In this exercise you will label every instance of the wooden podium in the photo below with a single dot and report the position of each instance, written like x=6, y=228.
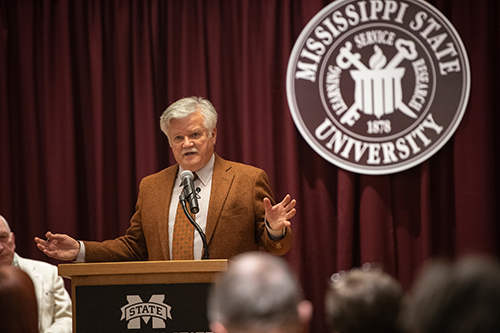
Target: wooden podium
x=142, y=296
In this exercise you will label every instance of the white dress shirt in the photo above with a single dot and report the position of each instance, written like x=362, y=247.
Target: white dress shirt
x=204, y=183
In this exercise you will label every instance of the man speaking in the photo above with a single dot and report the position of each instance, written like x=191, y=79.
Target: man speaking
x=237, y=212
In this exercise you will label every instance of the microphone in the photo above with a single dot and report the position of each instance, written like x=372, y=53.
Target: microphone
x=188, y=191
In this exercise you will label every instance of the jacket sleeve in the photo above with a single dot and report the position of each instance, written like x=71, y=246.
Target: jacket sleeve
x=261, y=190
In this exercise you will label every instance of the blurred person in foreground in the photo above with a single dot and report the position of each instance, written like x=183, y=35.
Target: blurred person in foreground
x=18, y=309
x=456, y=297
x=54, y=303
x=237, y=212
x=258, y=293
x=366, y=300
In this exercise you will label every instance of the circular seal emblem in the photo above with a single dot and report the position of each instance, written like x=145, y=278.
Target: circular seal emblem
x=377, y=87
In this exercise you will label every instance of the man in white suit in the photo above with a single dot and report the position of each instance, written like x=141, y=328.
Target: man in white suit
x=54, y=303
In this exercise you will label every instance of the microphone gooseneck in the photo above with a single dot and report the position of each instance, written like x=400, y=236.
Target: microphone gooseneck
x=189, y=194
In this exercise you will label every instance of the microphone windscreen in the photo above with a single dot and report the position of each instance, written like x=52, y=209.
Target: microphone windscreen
x=187, y=174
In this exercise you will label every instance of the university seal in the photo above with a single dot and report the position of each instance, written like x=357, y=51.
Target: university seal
x=377, y=87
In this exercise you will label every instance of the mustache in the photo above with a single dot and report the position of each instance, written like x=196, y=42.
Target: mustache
x=189, y=150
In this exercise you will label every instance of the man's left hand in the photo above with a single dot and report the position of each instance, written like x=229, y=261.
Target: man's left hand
x=278, y=216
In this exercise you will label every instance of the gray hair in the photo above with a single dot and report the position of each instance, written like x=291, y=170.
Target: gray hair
x=187, y=106
x=258, y=291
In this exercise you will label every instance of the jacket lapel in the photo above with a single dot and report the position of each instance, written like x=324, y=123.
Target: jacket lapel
x=169, y=181
x=37, y=282
x=222, y=178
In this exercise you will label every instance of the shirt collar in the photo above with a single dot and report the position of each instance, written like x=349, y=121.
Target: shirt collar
x=15, y=261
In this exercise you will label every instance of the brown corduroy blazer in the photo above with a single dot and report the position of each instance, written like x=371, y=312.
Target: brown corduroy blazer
x=235, y=221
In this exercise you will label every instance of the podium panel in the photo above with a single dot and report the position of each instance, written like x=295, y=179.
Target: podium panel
x=150, y=296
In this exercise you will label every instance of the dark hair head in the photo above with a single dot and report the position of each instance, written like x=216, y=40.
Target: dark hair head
x=18, y=305
x=363, y=301
x=459, y=297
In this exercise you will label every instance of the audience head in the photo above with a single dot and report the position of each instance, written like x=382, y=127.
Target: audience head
x=7, y=243
x=363, y=300
x=457, y=297
x=258, y=293
x=18, y=305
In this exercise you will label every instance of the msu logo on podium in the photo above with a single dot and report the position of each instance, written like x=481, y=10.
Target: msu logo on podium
x=377, y=87
x=136, y=310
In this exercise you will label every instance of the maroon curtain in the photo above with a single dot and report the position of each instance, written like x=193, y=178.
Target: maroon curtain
x=83, y=83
